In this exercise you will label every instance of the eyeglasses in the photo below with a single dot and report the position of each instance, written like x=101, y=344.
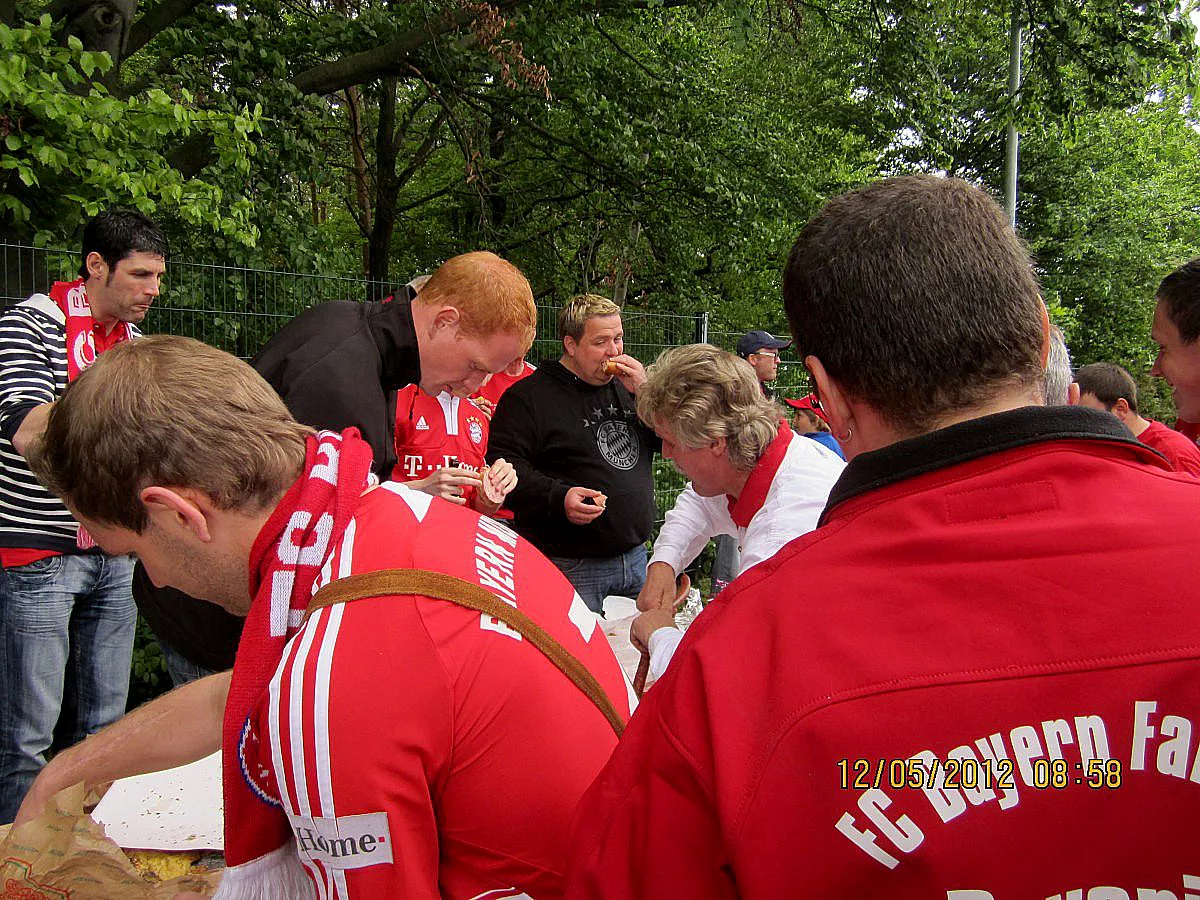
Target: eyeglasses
x=770, y=353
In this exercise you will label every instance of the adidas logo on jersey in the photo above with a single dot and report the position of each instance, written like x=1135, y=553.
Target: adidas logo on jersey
x=422, y=425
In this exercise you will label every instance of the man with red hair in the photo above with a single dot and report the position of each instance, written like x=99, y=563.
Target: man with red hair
x=341, y=363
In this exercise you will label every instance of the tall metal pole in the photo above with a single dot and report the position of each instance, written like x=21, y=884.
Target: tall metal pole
x=1014, y=86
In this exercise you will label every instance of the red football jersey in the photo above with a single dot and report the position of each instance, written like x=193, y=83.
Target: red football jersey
x=433, y=432
x=1179, y=449
x=423, y=750
x=501, y=382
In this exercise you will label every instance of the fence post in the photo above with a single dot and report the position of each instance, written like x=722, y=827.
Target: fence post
x=702, y=328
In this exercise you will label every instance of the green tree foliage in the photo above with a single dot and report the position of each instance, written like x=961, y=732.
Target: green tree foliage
x=664, y=150
x=1110, y=208
x=69, y=148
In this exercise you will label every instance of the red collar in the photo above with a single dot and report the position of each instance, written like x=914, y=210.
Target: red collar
x=754, y=494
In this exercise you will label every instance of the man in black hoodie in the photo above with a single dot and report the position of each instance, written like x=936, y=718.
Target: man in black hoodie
x=585, y=488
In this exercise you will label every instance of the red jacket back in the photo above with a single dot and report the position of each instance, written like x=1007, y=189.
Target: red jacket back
x=979, y=679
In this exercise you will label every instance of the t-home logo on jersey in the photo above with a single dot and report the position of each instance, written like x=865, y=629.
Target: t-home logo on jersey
x=345, y=842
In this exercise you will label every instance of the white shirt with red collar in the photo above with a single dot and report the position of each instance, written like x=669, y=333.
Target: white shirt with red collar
x=783, y=499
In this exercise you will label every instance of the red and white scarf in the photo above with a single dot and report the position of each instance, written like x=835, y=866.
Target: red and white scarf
x=71, y=298
x=285, y=561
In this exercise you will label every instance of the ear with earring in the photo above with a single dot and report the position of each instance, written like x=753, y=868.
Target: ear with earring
x=818, y=376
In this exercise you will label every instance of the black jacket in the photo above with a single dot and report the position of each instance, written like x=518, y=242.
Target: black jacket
x=202, y=632
x=561, y=432
x=335, y=365
x=341, y=363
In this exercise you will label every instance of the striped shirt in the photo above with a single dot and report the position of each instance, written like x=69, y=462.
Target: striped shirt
x=33, y=370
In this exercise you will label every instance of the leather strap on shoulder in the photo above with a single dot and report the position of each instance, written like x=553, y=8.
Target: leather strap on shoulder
x=440, y=586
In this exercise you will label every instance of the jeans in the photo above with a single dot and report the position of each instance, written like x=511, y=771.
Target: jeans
x=595, y=579
x=179, y=667
x=68, y=624
x=725, y=565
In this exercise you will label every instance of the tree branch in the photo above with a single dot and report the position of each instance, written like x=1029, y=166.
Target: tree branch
x=407, y=207
x=629, y=56
x=157, y=20
x=192, y=155
x=426, y=148
x=409, y=117
x=391, y=58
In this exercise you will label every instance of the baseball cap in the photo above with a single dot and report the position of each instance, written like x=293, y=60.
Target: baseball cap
x=753, y=341
x=808, y=401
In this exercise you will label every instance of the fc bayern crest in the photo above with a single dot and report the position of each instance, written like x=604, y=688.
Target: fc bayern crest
x=475, y=430
x=618, y=444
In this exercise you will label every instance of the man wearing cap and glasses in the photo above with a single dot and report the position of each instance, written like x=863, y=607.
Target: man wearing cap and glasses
x=761, y=350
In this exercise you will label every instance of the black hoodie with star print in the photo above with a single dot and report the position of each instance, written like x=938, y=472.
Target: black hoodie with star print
x=560, y=432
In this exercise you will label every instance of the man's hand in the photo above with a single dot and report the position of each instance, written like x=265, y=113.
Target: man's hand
x=659, y=590
x=630, y=372
x=648, y=623
x=498, y=481
x=488, y=407
x=449, y=483
x=583, y=505
x=177, y=728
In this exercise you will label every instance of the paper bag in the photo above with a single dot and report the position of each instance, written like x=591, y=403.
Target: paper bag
x=64, y=854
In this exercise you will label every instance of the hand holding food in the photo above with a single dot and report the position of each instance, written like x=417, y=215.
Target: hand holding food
x=583, y=505
x=498, y=480
x=449, y=483
x=631, y=373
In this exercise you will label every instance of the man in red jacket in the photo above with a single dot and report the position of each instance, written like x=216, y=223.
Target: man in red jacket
x=1176, y=331
x=935, y=694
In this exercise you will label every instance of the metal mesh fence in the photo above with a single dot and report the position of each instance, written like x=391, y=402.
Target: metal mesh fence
x=235, y=309
x=239, y=309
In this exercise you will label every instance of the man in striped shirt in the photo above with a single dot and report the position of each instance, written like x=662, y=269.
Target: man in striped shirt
x=66, y=612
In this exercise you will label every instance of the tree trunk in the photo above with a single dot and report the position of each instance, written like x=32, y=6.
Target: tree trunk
x=101, y=26
x=624, y=267
x=497, y=201
x=361, y=189
x=387, y=188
